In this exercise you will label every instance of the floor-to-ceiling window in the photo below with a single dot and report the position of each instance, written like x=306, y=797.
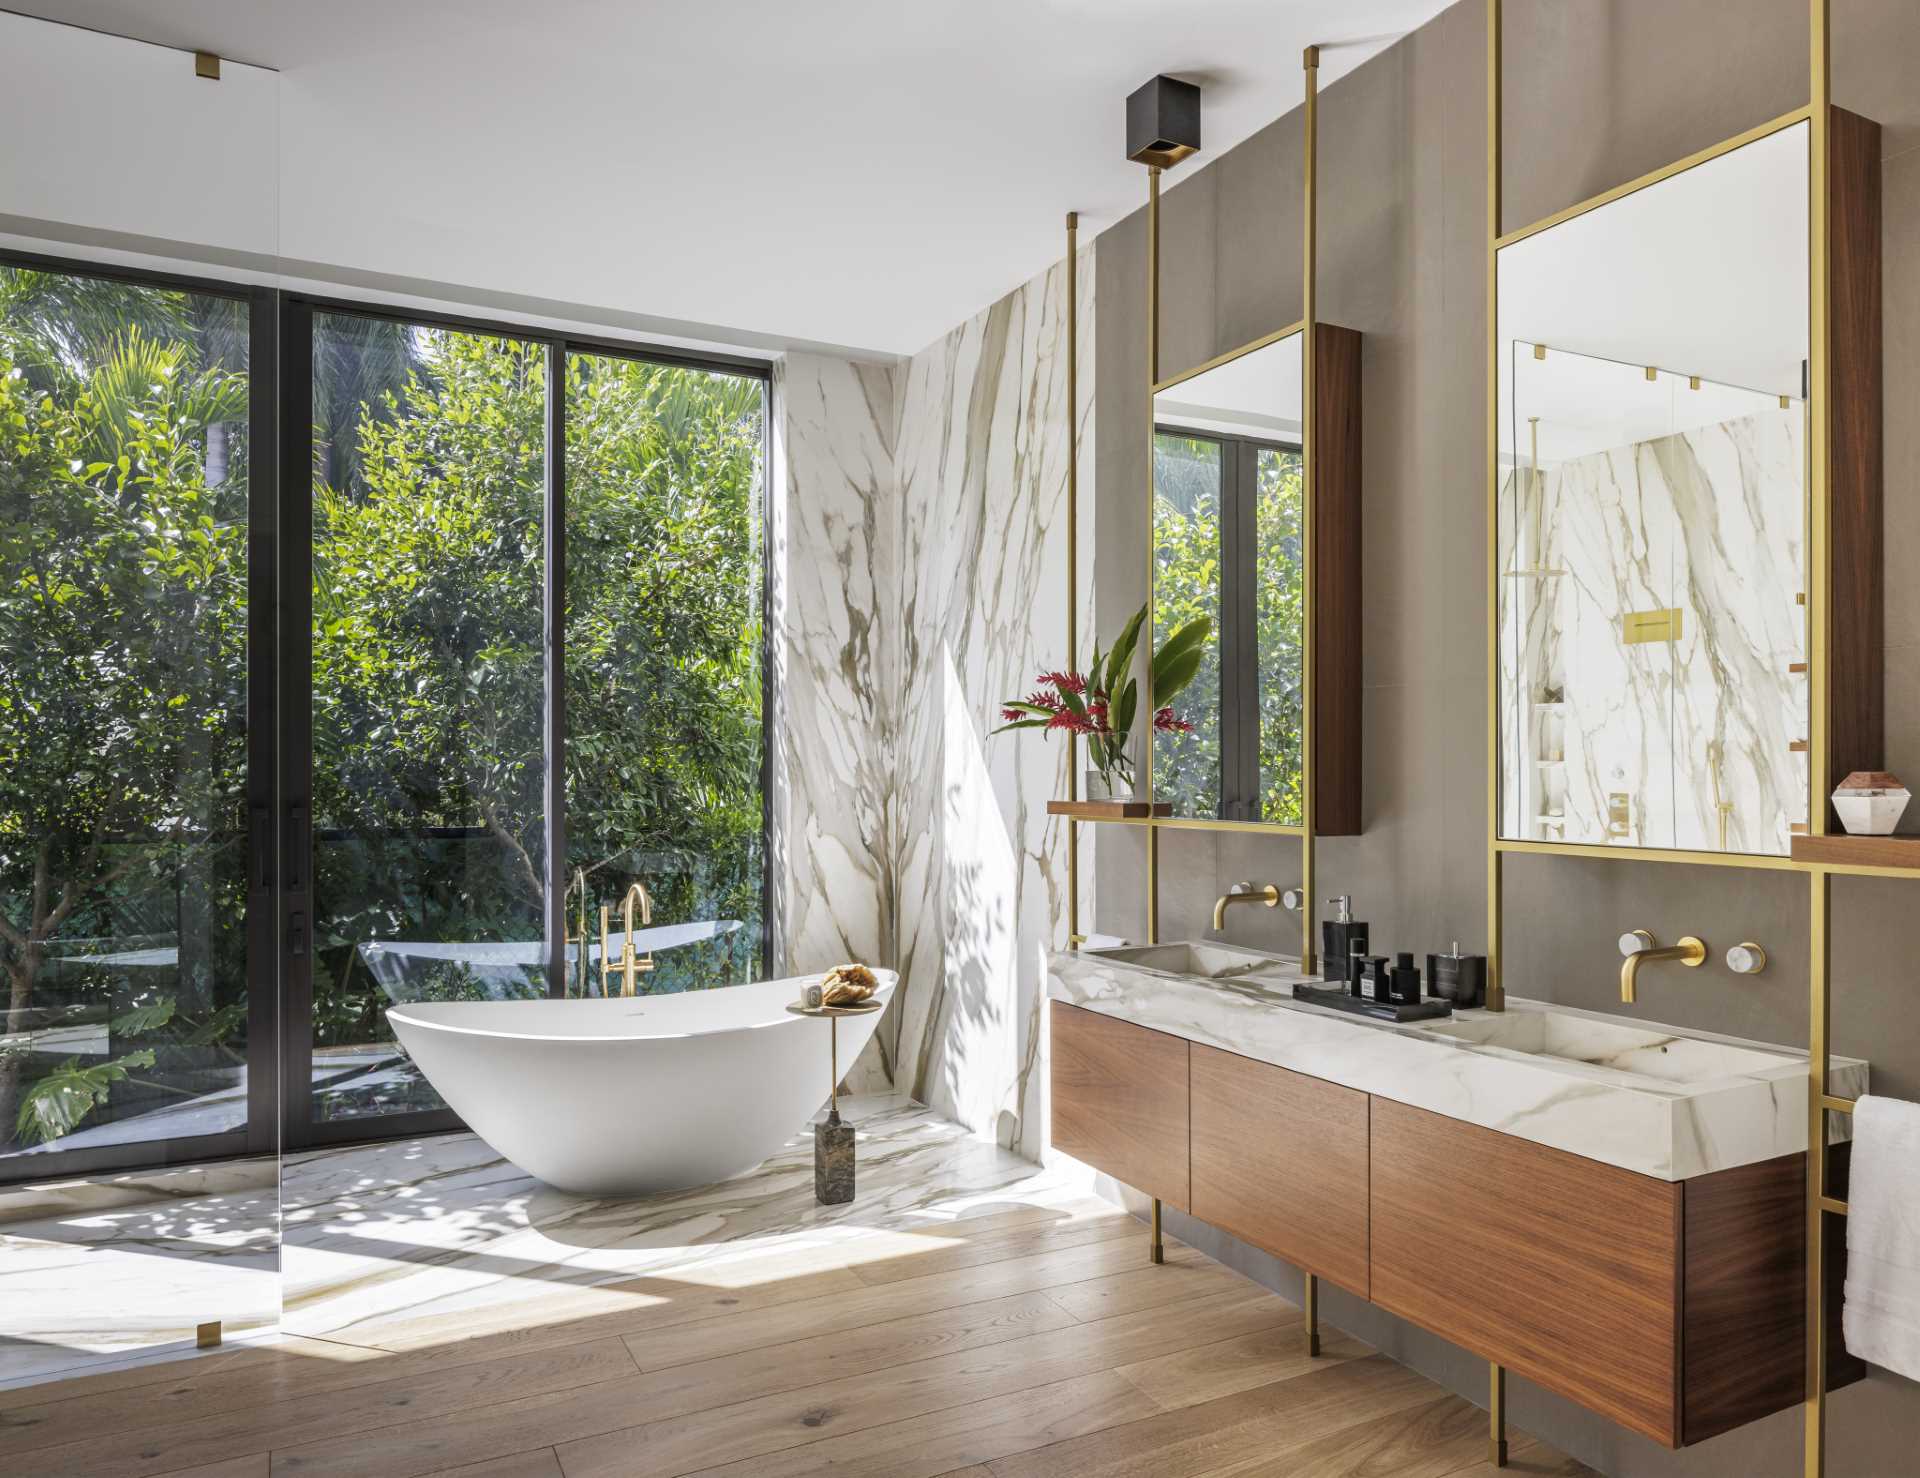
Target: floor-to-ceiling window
x=428, y=575
x=664, y=634
x=126, y=466
x=341, y=658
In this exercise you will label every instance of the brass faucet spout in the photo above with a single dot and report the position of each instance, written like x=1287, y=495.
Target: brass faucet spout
x=1639, y=949
x=1269, y=895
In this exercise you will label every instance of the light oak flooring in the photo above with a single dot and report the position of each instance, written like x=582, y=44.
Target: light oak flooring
x=1021, y=1341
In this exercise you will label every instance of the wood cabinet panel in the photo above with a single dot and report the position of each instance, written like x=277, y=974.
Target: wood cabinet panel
x=1120, y=1100
x=1564, y=1270
x=1280, y=1161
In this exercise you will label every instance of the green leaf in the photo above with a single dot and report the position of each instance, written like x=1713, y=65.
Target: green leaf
x=1124, y=708
x=1120, y=663
x=1175, y=664
x=143, y=1019
x=56, y=1104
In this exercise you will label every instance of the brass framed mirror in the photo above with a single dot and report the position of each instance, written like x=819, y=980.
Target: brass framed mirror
x=1651, y=499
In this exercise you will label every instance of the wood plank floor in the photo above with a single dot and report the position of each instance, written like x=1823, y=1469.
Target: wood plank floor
x=1034, y=1343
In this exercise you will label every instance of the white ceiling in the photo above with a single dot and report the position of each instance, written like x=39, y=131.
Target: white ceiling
x=863, y=173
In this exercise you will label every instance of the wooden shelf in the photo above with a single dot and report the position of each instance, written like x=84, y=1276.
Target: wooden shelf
x=1109, y=810
x=1851, y=851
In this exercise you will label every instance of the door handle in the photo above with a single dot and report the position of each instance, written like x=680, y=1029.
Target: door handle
x=297, y=936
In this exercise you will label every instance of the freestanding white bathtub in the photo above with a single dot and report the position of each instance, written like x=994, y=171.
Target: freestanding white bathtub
x=633, y=1095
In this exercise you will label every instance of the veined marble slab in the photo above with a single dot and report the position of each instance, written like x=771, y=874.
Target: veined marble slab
x=1685, y=1104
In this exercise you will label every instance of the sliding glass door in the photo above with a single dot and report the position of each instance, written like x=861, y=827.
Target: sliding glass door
x=428, y=495
x=130, y=736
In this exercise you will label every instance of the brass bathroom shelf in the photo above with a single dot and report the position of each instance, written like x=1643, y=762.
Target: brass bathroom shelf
x=1110, y=810
x=1879, y=854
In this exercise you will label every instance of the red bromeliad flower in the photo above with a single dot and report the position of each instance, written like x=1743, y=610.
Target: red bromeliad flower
x=1066, y=682
x=1166, y=723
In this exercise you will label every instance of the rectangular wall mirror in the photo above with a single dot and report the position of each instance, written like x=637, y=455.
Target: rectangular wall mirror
x=1227, y=500
x=1652, y=504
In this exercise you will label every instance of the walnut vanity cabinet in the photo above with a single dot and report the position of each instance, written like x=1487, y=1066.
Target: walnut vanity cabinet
x=1120, y=1095
x=1280, y=1161
x=1672, y=1307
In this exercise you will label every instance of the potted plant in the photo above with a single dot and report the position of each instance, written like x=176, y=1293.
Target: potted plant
x=1101, y=704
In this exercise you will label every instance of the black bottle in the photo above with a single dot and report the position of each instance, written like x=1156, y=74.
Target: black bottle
x=1376, y=980
x=1342, y=937
x=1405, y=989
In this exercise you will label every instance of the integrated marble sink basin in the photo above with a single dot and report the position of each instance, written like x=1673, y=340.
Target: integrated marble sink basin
x=1595, y=1042
x=1646, y=1097
x=1201, y=959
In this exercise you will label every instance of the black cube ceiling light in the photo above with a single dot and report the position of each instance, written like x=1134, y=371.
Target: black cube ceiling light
x=1163, y=122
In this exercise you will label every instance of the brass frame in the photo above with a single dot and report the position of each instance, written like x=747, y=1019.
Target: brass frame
x=1820, y=876
x=1815, y=498
x=1154, y=825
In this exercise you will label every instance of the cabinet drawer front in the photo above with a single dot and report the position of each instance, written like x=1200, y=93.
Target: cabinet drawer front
x=1565, y=1270
x=1280, y=1160
x=1120, y=1100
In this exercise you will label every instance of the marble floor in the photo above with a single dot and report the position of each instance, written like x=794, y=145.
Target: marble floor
x=969, y=1315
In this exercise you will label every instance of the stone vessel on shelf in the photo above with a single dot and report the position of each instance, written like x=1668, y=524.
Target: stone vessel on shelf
x=1871, y=802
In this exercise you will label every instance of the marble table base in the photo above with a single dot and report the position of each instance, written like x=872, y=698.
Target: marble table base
x=833, y=1160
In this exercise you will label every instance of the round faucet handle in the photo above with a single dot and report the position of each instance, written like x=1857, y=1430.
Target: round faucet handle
x=1293, y=899
x=1746, y=959
x=1635, y=942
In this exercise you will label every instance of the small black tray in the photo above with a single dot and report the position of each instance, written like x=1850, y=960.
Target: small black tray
x=1335, y=998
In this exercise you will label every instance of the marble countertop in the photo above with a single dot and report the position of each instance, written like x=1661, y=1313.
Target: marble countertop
x=1682, y=1104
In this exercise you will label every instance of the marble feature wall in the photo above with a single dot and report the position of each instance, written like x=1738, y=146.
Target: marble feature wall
x=921, y=569
x=982, y=462
x=834, y=537
x=1692, y=732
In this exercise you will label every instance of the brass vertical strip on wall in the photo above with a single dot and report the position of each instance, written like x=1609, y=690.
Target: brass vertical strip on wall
x=1496, y=987
x=1309, y=480
x=1073, y=561
x=1820, y=587
x=1153, y=378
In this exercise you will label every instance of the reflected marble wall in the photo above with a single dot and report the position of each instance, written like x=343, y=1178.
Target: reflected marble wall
x=1693, y=732
x=923, y=580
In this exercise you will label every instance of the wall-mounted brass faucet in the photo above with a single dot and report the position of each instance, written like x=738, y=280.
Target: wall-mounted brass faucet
x=1639, y=949
x=1248, y=893
x=632, y=964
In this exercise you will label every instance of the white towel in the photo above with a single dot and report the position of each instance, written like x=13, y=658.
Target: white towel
x=1882, y=1315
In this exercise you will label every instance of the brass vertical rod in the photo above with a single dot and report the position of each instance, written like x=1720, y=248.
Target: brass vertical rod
x=1146, y=758
x=1309, y=495
x=1497, y=1415
x=1310, y=1315
x=1073, y=561
x=833, y=1062
x=1819, y=760
x=1819, y=1020
x=1156, y=1247
x=1496, y=987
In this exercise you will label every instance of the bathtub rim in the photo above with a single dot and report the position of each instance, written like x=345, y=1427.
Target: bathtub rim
x=888, y=981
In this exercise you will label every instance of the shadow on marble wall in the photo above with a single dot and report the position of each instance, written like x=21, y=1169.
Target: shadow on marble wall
x=925, y=573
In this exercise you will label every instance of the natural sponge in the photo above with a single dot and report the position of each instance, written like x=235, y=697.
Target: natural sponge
x=847, y=985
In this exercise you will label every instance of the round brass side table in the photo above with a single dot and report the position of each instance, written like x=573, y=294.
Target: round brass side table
x=833, y=1138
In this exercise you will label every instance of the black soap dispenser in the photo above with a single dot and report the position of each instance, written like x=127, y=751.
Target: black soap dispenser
x=1342, y=937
